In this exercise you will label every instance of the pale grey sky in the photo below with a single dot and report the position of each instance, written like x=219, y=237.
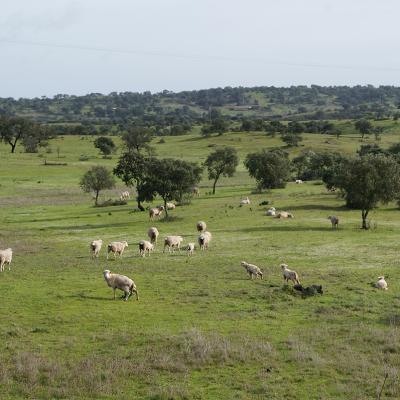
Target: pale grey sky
x=77, y=47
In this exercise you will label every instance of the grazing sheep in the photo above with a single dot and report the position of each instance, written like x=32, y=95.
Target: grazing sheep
x=156, y=212
x=204, y=240
x=381, y=284
x=271, y=212
x=153, y=233
x=171, y=206
x=334, y=221
x=245, y=201
x=5, y=258
x=95, y=247
x=195, y=191
x=145, y=246
x=298, y=181
x=125, y=195
x=190, y=249
x=252, y=270
x=116, y=248
x=201, y=226
x=172, y=242
x=121, y=282
x=284, y=214
x=289, y=274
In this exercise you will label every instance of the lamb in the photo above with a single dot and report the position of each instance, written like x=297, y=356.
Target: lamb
x=5, y=258
x=245, y=201
x=298, y=181
x=252, y=270
x=156, y=212
x=289, y=274
x=116, y=248
x=153, y=233
x=284, y=214
x=172, y=242
x=190, y=249
x=124, y=195
x=204, y=240
x=195, y=191
x=381, y=284
x=201, y=226
x=95, y=247
x=145, y=246
x=121, y=282
x=171, y=206
x=334, y=221
x=271, y=212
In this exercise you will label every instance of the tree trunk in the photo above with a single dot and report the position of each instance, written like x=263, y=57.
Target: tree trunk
x=215, y=184
x=13, y=145
x=97, y=197
x=140, y=207
x=165, y=208
x=364, y=214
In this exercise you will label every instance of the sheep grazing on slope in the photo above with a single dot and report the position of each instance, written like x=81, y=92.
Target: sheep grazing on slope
x=190, y=249
x=289, y=274
x=145, y=247
x=5, y=258
x=156, y=212
x=298, y=181
x=334, y=221
x=284, y=214
x=116, y=248
x=201, y=226
x=271, y=212
x=252, y=270
x=171, y=206
x=153, y=233
x=245, y=201
x=195, y=191
x=172, y=242
x=204, y=240
x=381, y=284
x=121, y=282
x=95, y=247
x=125, y=195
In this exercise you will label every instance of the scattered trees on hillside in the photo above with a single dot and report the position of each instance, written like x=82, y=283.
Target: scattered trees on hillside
x=105, y=144
x=363, y=126
x=292, y=139
x=95, y=180
x=221, y=162
x=270, y=169
x=137, y=138
x=366, y=181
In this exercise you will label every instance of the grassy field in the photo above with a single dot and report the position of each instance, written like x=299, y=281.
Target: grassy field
x=202, y=329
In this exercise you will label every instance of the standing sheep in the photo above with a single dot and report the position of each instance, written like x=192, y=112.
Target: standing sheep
x=252, y=270
x=156, y=212
x=245, y=201
x=190, y=249
x=145, y=246
x=116, y=248
x=334, y=221
x=271, y=212
x=195, y=191
x=171, y=206
x=204, y=240
x=172, y=242
x=201, y=226
x=381, y=284
x=121, y=282
x=5, y=258
x=153, y=233
x=125, y=195
x=95, y=247
x=289, y=274
x=284, y=214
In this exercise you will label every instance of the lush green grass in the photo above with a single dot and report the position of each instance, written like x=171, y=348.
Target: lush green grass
x=202, y=329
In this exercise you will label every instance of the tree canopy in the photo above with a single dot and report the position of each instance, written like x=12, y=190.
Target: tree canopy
x=105, y=144
x=95, y=180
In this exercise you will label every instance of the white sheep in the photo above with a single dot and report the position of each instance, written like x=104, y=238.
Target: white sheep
x=201, y=226
x=171, y=206
x=289, y=274
x=284, y=214
x=145, y=246
x=245, y=201
x=381, y=284
x=153, y=233
x=95, y=247
x=116, y=248
x=195, y=191
x=125, y=195
x=190, y=249
x=271, y=212
x=204, y=240
x=172, y=242
x=5, y=258
x=298, y=181
x=121, y=282
x=156, y=212
x=334, y=221
x=252, y=270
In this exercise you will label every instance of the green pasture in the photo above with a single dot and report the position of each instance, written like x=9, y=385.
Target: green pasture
x=201, y=329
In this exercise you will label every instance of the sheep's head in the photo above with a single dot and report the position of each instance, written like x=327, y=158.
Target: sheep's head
x=381, y=277
x=243, y=264
x=161, y=208
x=284, y=266
x=106, y=272
x=125, y=243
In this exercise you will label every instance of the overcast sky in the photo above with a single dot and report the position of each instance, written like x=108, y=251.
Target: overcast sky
x=77, y=47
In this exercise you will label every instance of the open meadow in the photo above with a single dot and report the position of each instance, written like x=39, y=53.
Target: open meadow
x=201, y=329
